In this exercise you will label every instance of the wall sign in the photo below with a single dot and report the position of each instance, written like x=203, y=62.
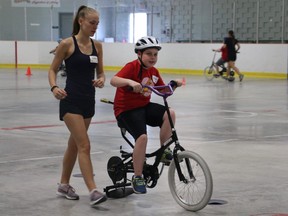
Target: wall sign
x=35, y=3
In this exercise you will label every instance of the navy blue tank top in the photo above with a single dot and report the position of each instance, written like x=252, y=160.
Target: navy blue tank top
x=80, y=70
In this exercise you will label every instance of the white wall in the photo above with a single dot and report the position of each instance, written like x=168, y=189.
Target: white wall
x=271, y=58
x=7, y=52
x=35, y=52
x=28, y=53
x=268, y=58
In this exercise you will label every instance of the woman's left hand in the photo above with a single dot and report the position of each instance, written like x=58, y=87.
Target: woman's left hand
x=98, y=83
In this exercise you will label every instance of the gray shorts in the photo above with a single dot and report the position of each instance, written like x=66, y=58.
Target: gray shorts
x=220, y=62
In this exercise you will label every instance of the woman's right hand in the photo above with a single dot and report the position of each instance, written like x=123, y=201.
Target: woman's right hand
x=59, y=93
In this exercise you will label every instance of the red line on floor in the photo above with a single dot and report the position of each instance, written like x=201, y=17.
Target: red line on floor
x=55, y=125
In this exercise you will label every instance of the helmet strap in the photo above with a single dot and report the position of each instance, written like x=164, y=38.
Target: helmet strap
x=141, y=66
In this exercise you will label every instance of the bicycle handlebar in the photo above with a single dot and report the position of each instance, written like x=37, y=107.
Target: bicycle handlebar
x=156, y=89
x=105, y=100
x=214, y=50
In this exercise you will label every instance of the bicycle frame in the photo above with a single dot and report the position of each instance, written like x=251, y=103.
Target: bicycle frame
x=213, y=60
x=212, y=71
x=173, y=138
x=214, y=63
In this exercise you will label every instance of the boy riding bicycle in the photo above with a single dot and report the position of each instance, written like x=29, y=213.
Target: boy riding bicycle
x=132, y=106
x=221, y=61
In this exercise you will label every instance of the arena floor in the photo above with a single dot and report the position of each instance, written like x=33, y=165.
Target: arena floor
x=240, y=129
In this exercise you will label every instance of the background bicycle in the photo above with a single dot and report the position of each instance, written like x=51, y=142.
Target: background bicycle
x=210, y=72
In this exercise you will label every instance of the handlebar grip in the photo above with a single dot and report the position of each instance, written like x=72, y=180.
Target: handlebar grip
x=173, y=84
x=105, y=100
x=129, y=88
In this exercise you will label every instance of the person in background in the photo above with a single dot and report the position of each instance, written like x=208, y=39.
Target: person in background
x=233, y=46
x=221, y=61
x=133, y=109
x=82, y=57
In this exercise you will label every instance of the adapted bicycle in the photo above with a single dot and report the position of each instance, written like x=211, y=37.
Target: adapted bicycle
x=189, y=177
x=210, y=72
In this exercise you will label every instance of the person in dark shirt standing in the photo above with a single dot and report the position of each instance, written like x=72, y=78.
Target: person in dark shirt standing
x=233, y=46
x=82, y=56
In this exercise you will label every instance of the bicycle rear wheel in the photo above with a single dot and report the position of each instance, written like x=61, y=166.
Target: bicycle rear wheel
x=195, y=193
x=209, y=72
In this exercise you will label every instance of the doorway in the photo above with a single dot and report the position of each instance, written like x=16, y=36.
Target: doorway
x=65, y=24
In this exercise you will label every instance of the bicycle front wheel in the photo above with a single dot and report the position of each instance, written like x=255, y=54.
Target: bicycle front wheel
x=195, y=192
x=209, y=72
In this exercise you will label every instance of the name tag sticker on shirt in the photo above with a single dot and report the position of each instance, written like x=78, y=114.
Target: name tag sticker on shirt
x=155, y=79
x=93, y=59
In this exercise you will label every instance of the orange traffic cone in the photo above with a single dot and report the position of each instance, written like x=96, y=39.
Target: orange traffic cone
x=184, y=81
x=28, y=72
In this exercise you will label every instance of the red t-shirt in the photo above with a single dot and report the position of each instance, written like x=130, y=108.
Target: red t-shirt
x=224, y=53
x=126, y=99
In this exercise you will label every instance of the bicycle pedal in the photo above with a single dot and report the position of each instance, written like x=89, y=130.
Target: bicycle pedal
x=125, y=154
x=167, y=163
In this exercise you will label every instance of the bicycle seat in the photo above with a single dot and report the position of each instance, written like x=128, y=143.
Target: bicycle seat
x=122, y=128
x=123, y=133
x=120, y=125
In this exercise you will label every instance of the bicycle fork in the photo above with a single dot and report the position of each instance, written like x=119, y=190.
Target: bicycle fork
x=178, y=147
x=180, y=173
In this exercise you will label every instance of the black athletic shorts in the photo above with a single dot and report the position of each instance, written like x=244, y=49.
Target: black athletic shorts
x=135, y=121
x=232, y=57
x=86, y=108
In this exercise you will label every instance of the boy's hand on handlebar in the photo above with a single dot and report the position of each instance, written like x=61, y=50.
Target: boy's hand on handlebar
x=179, y=83
x=135, y=86
x=176, y=83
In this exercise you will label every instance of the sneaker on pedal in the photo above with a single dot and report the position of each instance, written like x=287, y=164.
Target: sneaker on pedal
x=216, y=75
x=167, y=156
x=138, y=184
x=96, y=197
x=67, y=191
x=241, y=77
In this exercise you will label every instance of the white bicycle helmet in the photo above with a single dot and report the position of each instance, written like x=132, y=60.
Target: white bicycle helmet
x=147, y=42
